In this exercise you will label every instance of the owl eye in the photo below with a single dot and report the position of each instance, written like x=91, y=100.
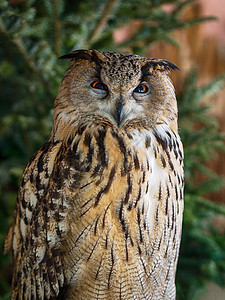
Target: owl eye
x=141, y=89
x=99, y=85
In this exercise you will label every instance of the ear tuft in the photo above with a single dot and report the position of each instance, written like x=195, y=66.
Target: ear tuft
x=77, y=54
x=91, y=55
x=161, y=65
x=170, y=66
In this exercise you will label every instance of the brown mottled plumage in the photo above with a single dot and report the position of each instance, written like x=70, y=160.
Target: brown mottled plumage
x=100, y=205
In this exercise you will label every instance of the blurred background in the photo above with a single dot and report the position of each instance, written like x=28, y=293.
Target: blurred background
x=33, y=34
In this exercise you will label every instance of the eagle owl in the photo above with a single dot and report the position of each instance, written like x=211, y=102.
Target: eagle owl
x=99, y=210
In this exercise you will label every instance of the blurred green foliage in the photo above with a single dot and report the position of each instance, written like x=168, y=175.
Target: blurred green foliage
x=32, y=36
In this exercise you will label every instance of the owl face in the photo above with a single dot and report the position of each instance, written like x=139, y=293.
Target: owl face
x=120, y=90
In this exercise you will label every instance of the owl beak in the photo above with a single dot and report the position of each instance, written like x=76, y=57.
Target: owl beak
x=119, y=113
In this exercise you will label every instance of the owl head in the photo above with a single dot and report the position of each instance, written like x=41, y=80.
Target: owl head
x=120, y=91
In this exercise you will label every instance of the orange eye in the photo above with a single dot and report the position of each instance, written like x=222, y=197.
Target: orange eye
x=99, y=85
x=141, y=89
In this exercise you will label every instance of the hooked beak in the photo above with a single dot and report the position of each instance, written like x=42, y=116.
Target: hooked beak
x=119, y=113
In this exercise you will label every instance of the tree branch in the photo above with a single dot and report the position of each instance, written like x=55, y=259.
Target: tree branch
x=57, y=28
x=102, y=20
x=17, y=44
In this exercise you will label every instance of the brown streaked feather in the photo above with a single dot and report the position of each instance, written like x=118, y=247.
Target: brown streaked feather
x=100, y=205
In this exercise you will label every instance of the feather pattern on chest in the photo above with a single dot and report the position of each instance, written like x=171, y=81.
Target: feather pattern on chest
x=118, y=213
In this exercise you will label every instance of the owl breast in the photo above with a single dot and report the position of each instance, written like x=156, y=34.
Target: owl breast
x=125, y=211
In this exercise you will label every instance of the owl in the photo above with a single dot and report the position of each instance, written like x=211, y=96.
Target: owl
x=100, y=205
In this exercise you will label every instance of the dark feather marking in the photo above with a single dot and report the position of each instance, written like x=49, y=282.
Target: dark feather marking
x=160, y=141
x=75, y=145
x=182, y=179
x=92, y=250
x=163, y=161
x=166, y=252
x=126, y=233
x=87, y=142
x=126, y=248
x=97, y=170
x=81, y=129
x=121, y=217
x=129, y=135
x=173, y=213
x=106, y=188
x=129, y=189
x=167, y=154
x=138, y=196
x=30, y=208
x=170, y=144
x=178, y=208
x=87, y=139
x=160, y=191
x=90, y=154
x=181, y=194
x=138, y=216
x=72, y=111
x=41, y=161
x=176, y=192
x=140, y=234
x=147, y=141
x=168, y=133
x=100, y=264
x=139, y=224
x=80, y=235
x=103, y=220
x=130, y=205
x=143, y=176
x=100, y=139
x=131, y=240
x=120, y=295
x=147, y=162
x=85, y=211
x=178, y=178
x=31, y=177
x=160, y=241
x=168, y=274
x=146, y=191
x=175, y=153
x=180, y=153
x=85, y=185
x=157, y=215
x=106, y=238
x=123, y=150
x=144, y=223
x=112, y=265
x=96, y=225
x=25, y=220
x=155, y=153
x=139, y=249
x=167, y=199
x=143, y=265
x=136, y=161
x=24, y=204
x=171, y=165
